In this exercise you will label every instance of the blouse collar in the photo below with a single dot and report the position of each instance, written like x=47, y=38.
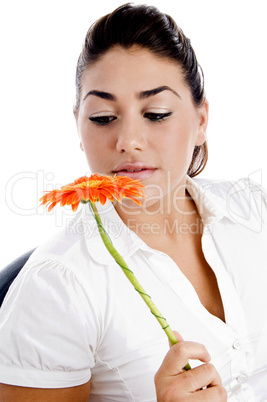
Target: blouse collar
x=211, y=207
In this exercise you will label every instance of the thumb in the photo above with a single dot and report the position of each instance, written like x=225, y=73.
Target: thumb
x=177, y=336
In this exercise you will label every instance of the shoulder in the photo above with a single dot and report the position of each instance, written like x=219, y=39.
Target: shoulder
x=243, y=187
x=61, y=268
x=54, y=286
x=242, y=199
x=74, y=261
x=66, y=250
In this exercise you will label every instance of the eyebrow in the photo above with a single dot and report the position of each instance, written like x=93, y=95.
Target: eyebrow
x=141, y=95
x=155, y=91
x=101, y=94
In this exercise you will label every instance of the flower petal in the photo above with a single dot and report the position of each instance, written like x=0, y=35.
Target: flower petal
x=94, y=188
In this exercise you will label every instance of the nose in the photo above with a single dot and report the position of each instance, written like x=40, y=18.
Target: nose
x=130, y=137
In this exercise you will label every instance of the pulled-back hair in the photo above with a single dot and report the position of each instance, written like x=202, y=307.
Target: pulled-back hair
x=147, y=27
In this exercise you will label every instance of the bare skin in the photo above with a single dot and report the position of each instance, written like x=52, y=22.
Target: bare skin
x=9, y=393
x=186, y=250
x=173, y=384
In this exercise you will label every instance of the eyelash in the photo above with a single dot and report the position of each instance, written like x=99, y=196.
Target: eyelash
x=102, y=120
x=157, y=117
x=153, y=117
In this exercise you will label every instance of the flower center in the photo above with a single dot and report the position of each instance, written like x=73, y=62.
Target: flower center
x=87, y=184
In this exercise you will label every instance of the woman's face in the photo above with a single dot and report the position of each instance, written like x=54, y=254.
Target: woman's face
x=137, y=119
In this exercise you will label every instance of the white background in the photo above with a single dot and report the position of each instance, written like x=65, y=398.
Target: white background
x=40, y=44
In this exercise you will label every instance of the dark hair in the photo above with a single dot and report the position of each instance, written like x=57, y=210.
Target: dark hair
x=147, y=27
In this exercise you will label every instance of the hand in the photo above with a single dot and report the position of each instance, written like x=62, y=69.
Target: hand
x=177, y=385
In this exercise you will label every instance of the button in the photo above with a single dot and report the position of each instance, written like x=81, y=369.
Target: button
x=237, y=344
x=242, y=378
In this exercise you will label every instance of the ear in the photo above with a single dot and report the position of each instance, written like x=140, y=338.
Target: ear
x=203, y=112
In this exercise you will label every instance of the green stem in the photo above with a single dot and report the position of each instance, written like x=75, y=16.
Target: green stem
x=130, y=275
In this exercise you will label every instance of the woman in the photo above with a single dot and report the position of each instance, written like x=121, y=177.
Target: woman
x=72, y=327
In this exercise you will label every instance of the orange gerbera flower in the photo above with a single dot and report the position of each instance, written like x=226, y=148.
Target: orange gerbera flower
x=94, y=188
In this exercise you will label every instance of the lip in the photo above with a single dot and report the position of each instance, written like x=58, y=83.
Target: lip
x=135, y=170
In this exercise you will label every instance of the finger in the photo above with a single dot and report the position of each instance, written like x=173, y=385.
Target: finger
x=178, y=357
x=200, y=377
x=177, y=336
x=188, y=385
x=217, y=394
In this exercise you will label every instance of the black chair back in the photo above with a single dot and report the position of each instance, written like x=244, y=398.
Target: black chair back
x=9, y=273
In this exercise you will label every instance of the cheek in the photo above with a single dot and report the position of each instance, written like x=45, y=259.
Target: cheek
x=97, y=152
x=92, y=152
x=178, y=145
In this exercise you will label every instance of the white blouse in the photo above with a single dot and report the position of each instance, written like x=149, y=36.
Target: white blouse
x=71, y=314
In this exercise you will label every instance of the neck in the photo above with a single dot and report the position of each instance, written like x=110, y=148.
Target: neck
x=163, y=218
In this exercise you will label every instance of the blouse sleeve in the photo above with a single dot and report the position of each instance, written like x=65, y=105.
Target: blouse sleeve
x=48, y=329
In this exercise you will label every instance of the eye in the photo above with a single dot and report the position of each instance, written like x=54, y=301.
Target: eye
x=154, y=117
x=102, y=120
